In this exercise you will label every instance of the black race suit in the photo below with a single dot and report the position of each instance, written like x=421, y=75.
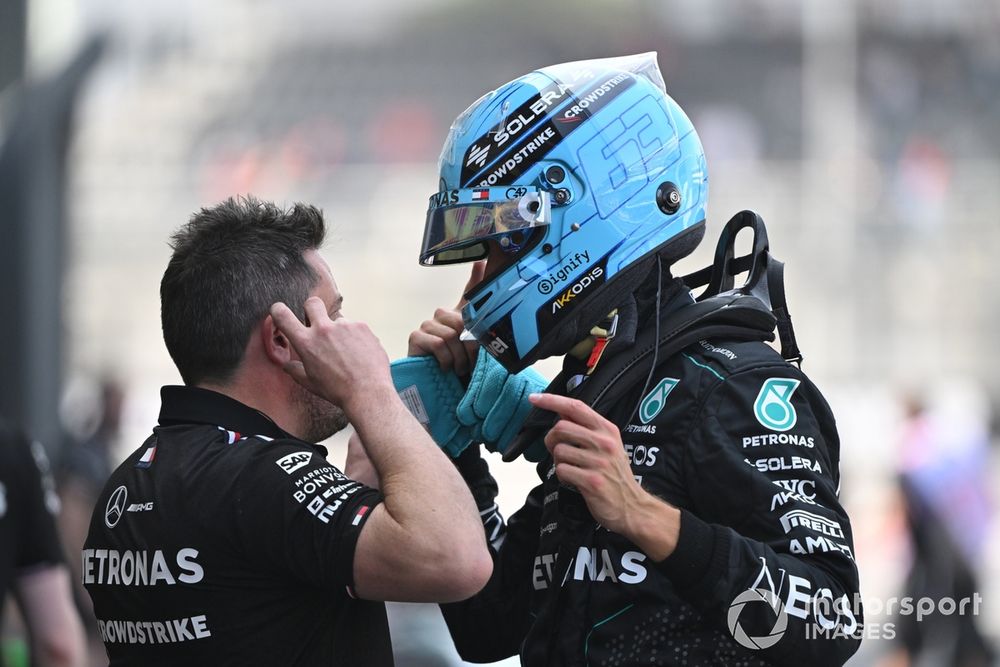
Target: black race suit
x=744, y=444
x=223, y=540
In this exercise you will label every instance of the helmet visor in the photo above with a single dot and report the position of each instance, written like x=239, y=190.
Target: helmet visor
x=460, y=221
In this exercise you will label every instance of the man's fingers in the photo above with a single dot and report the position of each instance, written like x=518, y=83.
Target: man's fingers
x=437, y=337
x=286, y=321
x=450, y=318
x=563, y=452
x=476, y=277
x=568, y=408
x=573, y=476
x=422, y=343
x=315, y=311
x=447, y=325
x=572, y=433
x=439, y=329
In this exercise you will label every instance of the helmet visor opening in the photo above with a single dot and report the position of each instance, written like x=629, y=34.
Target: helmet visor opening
x=459, y=221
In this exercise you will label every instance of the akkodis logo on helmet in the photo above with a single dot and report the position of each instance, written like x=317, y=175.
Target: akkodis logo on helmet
x=757, y=596
x=656, y=399
x=773, y=407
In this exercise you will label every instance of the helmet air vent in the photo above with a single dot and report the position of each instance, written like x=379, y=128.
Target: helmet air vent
x=668, y=198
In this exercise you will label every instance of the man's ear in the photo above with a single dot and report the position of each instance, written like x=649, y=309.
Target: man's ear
x=276, y=346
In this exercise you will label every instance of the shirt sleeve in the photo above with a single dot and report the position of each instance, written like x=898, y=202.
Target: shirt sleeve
x=36, y=505
x=298, y=514
x=766, y=549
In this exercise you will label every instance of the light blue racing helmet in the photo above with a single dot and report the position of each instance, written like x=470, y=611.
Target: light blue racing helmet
x=584, y=172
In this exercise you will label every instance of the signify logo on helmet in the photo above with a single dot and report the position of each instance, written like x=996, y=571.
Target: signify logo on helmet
x=548, y=283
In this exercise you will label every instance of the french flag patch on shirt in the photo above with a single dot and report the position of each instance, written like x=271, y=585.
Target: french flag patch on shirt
x=147, y=457
x=232, y=437
x=360, y=515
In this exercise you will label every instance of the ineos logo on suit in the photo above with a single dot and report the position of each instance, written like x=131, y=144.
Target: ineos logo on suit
x=116, y=507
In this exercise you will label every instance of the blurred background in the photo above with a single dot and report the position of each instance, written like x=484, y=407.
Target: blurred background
x=865, y=132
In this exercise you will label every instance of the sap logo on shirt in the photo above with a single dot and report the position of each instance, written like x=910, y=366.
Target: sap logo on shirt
x=292, y=462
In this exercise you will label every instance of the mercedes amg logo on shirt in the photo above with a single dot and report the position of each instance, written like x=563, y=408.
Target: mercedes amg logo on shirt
x=116, y=507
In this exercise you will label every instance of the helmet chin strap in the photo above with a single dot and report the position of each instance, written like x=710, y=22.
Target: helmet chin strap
x=592, y=347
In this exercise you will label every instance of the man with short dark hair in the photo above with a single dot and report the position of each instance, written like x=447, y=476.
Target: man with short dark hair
x=227, y=538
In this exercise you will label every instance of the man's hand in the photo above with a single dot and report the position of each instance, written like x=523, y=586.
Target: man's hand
x=439, y=336
x=341, y=360
x=588, y=454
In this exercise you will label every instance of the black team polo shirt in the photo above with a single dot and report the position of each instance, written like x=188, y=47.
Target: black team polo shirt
x=223, y=540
